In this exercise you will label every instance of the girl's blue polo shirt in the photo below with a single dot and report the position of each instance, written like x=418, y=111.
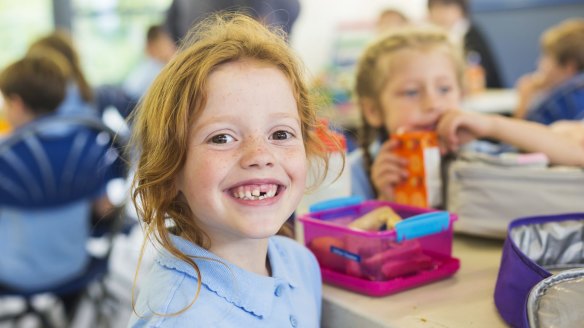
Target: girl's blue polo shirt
x=360, y=183
x=229, y=295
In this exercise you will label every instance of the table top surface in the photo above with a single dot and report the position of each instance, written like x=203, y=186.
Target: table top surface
x=493, y=101
x=463, y=300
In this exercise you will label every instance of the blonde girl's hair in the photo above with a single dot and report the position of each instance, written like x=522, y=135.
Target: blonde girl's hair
x=565, y=43
x=62, y=42
x=174, y=102
x=375, y=65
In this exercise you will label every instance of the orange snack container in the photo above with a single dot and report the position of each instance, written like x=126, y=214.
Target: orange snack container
x=423, y=187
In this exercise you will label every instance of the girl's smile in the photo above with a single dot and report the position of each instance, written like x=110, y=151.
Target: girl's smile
x=257, y=192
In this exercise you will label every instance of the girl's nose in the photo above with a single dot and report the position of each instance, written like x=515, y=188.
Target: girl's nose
x=257, y=153
x=431, y=102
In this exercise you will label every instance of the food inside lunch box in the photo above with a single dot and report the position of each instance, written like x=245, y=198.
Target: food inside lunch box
x=373, y=262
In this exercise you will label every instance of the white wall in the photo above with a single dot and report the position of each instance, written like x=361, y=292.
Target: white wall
x=313, y=32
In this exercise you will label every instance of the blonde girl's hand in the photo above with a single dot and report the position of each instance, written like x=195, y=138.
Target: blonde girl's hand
x=573, y=130
x=456, y=128
x=388, y=170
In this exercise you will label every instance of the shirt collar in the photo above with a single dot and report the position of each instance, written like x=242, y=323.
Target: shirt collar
x=252, y=292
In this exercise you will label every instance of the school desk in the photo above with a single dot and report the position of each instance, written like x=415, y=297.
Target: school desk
x=492, y=101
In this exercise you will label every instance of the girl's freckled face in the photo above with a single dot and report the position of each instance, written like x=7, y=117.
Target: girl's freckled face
x=248, y=139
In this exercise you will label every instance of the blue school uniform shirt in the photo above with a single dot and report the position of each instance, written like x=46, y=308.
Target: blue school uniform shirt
x=360, y=183
x=230, y=296
x=566, y=102
x=74, y=105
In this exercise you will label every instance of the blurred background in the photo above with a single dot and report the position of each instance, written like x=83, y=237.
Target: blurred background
x=110, y=33
x=329, y=35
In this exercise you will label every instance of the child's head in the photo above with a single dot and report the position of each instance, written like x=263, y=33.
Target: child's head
x=228, y=118
x=390, y=19
x=406, y=80
x=33, y=86
x=446, y=13
x=61, y=42
x=562, y=52
x=159, y=43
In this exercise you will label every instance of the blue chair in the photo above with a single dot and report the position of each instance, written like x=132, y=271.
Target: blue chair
x=51, y=171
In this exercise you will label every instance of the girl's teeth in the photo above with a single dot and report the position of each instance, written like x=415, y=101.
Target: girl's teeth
x=258, y=192
x=271, y=192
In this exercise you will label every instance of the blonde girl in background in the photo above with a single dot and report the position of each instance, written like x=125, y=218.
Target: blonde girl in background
x=405, y=81
x=225, y=137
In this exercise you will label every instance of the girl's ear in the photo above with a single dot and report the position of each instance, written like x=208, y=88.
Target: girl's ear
x=371, y=112
x=16, y=103
x=17, y=113
x=570, y=68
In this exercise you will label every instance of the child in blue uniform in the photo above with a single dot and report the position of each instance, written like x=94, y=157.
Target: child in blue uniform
x=555, y=91
x=225, y=136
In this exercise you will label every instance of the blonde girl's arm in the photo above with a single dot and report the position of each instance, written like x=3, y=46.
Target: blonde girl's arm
x=573, y=129
x=459, y=127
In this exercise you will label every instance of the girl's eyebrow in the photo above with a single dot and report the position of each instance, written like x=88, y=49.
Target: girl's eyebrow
x=444, y=78
x=235, y=118
x=215, y=119
x=285, y=115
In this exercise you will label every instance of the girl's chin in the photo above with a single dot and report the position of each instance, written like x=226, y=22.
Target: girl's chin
x=261, y=232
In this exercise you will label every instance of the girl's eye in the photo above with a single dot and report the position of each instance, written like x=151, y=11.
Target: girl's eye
x=281, y=135
x=410, y=93
x=221, y=139
x=445, y=89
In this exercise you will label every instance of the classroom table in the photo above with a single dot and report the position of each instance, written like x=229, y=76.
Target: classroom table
x=463, y=300
x=492, y=101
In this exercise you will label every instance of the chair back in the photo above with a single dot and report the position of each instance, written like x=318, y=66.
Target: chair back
x=50, y=172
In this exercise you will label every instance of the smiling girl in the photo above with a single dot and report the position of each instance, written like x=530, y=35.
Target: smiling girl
x=225, y=137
